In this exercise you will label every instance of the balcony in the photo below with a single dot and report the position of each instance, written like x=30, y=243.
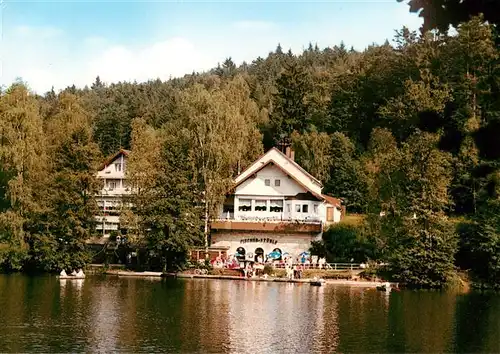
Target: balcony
x=114, y=191
x=268, y=224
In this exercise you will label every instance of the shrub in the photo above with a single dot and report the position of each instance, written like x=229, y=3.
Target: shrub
x=346, y=242
x=268, y=269
x=279, y=273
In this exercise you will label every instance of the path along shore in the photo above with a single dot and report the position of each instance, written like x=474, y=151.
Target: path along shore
x=122, y=273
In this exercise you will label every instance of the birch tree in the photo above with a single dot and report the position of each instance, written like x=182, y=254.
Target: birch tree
x=222, y=125
x=23, y=163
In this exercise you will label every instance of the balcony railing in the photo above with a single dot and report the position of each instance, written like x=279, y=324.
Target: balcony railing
x=278, y=218
x=267, y=225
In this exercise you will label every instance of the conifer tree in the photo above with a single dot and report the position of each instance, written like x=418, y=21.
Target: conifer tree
x=411, y=189
x=291, y=109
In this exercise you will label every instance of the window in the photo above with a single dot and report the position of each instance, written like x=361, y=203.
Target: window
x=329, y=214
x=276, y=206
x=118, y=167
x=297, y=208
x=315, y=208
x=267, y=182
x=260, y=205
x=112, y=185
x=305, y=208
x=245, y=205
x=277, y=182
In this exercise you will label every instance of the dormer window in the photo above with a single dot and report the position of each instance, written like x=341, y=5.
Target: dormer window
x=267, y=182
x=277, y=182
x=118, y=167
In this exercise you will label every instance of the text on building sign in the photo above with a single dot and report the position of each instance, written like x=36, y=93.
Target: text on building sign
x=261, y=240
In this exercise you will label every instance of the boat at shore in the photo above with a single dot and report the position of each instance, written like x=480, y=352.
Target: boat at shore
x=317, y=282
x=75, y=275
x=71, y=276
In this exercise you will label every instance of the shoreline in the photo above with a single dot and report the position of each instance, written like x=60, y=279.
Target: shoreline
x=354, y=283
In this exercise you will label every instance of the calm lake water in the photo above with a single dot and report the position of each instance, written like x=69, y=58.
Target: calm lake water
x=109, y=314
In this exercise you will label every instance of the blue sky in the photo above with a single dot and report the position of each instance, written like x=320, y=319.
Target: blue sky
x=56, y=43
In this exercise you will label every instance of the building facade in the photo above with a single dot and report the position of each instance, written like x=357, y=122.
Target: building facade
x=274, y=206
x=114, y=189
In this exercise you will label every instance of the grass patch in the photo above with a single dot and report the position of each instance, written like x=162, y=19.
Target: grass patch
x=353, y=219
x=319, y=273
x=278, y=273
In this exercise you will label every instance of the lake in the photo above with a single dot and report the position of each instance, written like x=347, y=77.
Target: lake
x=108, y=314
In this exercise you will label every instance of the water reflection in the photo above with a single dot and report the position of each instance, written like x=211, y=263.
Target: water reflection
x=476, y=318
x=151, y=315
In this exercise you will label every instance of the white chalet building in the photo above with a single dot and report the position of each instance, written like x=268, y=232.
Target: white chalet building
x=114, y=188
x=274, y=205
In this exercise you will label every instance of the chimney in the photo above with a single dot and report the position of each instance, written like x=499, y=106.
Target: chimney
x=289, y=152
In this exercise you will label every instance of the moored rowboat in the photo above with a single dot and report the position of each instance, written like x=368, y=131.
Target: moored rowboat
x=317, y=282
x=71, y=276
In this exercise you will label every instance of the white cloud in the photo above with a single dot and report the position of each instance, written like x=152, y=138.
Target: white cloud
x=172, y=57
x=46, y=56
x=58, y=61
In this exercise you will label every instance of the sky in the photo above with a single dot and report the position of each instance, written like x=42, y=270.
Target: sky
x=60, y=43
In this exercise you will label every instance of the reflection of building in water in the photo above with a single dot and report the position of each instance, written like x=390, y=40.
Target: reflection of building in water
x=130, y=325
x=105, y=317
x=275, y=205
x=78, y=284
x=327, y=323
x=266, y=316
x=72, y=286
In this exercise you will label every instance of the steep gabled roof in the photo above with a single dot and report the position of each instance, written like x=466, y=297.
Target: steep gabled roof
x=289, y=167
x=113, y=157
x=274, y=163
x=288, y=159
x=299, y=167
x=336, y=202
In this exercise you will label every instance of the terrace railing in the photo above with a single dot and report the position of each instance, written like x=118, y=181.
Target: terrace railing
x=326, y=266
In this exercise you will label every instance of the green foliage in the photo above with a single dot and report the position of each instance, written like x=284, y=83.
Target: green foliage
x=268, y=269
x=480, y=245
x=406, y=130
x=313, y=153
x=411, y=189
x=441, y=14
x=345, y=243
x=168, y=201
x=331, y=159
x=291, y=108
x=347, y=178
x=423, y=255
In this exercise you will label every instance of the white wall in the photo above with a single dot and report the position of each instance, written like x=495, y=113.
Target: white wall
x=287, y=165
x=256, y=186
x=113, y=196
x=255, y=189
x=291, y=243
x=111, y=172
